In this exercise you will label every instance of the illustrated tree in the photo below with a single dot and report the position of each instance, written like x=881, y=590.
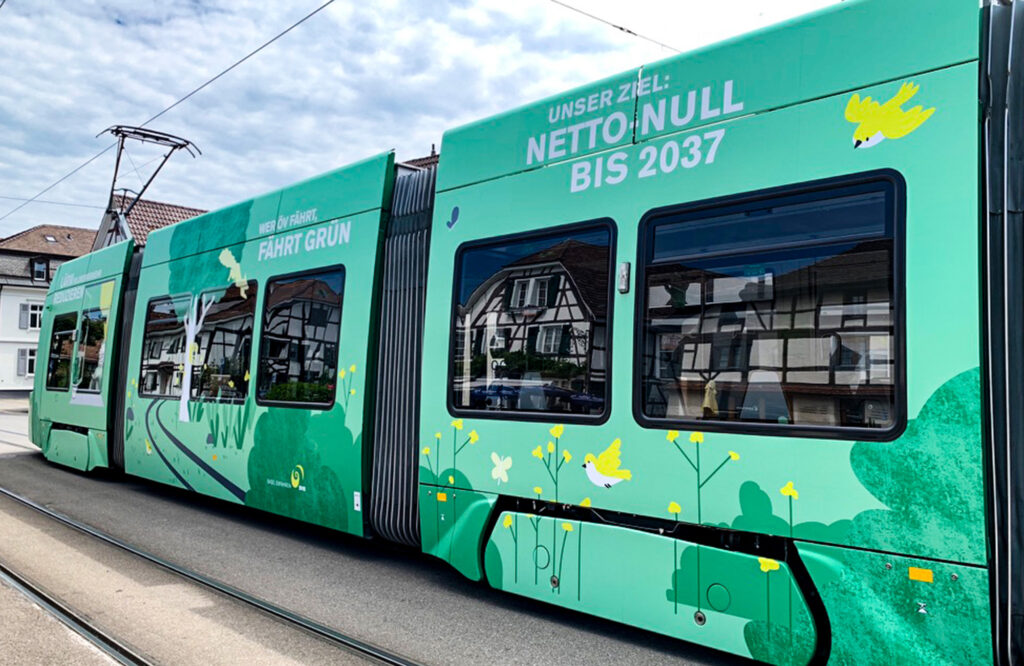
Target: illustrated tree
x=203, y=271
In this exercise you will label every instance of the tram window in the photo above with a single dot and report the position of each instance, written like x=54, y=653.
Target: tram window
x=776, y=311
x=220, y=369
x=91, y=350
x=62, y=343
x=163, y=345
x=298, y=360
x=529, y=324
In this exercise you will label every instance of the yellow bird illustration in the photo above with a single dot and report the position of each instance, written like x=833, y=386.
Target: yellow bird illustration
x=234, y=270
x=603, y=470
x=876, y=122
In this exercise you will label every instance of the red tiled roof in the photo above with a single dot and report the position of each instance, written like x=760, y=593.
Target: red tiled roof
x=423, y=162
x=587, y=264
x=67, y=241
x=149, y=216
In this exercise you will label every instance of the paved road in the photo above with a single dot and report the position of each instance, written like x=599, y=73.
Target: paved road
x=32, y=636
x=396, y=598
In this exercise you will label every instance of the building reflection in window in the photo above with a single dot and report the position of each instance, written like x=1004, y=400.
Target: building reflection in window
x=163, y=347
x=778, y=312
x=299, y=342
x=531, y=323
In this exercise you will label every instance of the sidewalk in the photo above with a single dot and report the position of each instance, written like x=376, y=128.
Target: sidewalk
x=18, y=404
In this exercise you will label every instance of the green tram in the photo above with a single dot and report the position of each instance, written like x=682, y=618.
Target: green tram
x=721, y=347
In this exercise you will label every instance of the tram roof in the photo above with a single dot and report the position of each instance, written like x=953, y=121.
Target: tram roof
x=843, y=47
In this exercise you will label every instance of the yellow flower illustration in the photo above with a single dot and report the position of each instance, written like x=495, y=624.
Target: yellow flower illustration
x=451, y=479
x=473, y=437
x=341, y=373
x=538, y=490
x=672, y=435
x=508, y=521
x=734, y=455
x=231, y=383
x=537, y=453
x=567, y=527
x=551, y=447
x=673, y=507
x=246, y=377
x=352, y=392
x=437, y=435
x=566, y=455
x=457, y=424
x=556, y=431
x=426, y=450
x=697, y=437
x=768, y=564
x=585, y=502
x=789, y=491
x=352, y=368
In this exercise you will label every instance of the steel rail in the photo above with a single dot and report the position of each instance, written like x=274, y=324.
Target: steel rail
x=349, y=643
x=113, y=648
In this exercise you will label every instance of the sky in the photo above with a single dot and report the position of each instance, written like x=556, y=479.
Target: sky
x=357, y=79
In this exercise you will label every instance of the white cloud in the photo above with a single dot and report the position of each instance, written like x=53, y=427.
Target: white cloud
x=350, y=82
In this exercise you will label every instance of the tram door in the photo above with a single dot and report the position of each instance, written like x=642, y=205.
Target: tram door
x=77, y=383
x=91, y=362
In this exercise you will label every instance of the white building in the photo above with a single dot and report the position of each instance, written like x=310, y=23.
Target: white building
x=28, y=260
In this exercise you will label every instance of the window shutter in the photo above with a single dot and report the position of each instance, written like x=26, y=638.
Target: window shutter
x=563, y=342
x=531, y=340
x=506, y=297
x=508, y=338
x=23, y=316
x=478, y=341
x=553, y=291
x=22, y=362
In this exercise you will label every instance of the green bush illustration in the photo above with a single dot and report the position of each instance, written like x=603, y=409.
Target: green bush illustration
x=289, y=475
x=930, y=478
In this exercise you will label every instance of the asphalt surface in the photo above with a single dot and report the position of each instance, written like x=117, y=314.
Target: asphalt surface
x=396, y=598
x=147, y=608
x=31, y=636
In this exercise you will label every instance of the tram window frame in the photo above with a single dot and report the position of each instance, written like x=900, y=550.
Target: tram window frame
x=81, y=339
x=195, y=396
x=54, y=332
x=593, y=224
x=258, y=344
x=146, y=348
x=890, y=182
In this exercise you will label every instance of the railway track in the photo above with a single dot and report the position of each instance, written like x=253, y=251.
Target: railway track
x=125, y=654
x=113, y=648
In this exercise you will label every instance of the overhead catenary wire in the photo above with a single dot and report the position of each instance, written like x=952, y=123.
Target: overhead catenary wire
x=53, y=203
x=614, y=25
x=165, y=110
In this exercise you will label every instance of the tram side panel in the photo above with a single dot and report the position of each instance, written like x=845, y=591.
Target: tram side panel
x=768, y=440
x=77, y=359
x=247, y=377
